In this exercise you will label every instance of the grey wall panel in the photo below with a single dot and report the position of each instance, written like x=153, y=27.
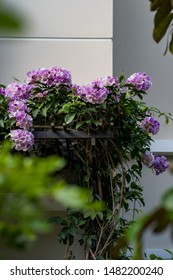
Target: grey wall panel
x=64, y=18
x=135, y=50
x=86, y=59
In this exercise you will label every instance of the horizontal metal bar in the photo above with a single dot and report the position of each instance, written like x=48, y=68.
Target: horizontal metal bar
x=49, y=134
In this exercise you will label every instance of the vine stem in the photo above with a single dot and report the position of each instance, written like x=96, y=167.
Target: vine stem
x=110, y=163
x=67, y=251
x=99, y=240
x=123, y=185
x=107, y=241
x=92, y=254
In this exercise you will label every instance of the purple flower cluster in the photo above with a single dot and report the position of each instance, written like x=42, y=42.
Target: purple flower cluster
x=158, y=163
x=97, y=91
x=150, y=125
x=51, y=76
x=15, y=91
x=22, y=139
x=140, y=80
x=17, y=95
x=16, y=106
x=148, y=158
x=18, y=110
x=94, y=94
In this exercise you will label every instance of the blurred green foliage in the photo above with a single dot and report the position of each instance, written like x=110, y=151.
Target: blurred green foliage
x=25, y=184
x=157, y=221
x=10, y=19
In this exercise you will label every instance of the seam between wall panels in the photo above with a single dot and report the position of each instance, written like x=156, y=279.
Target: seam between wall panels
x=55, y=38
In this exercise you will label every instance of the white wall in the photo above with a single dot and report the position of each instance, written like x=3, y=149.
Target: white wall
x=135, y=50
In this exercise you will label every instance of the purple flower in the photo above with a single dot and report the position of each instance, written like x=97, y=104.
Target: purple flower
x=2, y=91
x=23, y=120
x=94, y=94
x=140, y=80
x=18, y=110
x=148, y=158
x=60, y=75
x=150, y=125
x=41, y=94
x=15, y=91
x=97, y=91
x=16, y=106
x=160, y=164
x=77, y=90
x=53, y=76
x=108, y=81
x=23, y=140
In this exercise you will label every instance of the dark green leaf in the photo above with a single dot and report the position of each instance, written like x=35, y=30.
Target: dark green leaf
x=63, y=233
x=128, y=178
x=155, y=4
x=160, y=30
x=74, y=220
x=58, y=220
x=162, y=12
x=72, y=230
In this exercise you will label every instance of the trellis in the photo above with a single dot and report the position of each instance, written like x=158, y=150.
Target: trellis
x=52, y=132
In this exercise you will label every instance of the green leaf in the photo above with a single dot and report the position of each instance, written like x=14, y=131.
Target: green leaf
x=128, y=178
x=72, y=230
x=35, y=113
x=1, y=123
x=152, y=256
x=44, y=111
x=169, y=252
x=58, y=220
x=96, y=123
x=160, y=30
x=155, y=4
x=79, y=124
x=64, y=232
x=10, y=122
x=69, y=117
x=166, y=119
x=74, y=220
x=100, y=215
x=162, y=12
